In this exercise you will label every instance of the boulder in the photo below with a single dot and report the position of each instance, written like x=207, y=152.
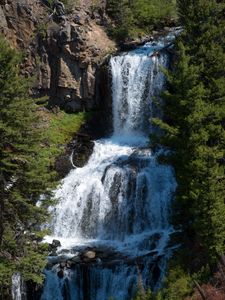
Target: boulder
x=89, y=255
x=56, y=243
x=53, y=247
x=63, y=165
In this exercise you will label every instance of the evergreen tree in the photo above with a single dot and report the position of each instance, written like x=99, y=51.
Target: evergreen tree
x=194, y=126
x=23, y=176
x=134, y=18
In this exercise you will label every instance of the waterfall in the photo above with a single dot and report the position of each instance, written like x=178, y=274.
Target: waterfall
x=118, y=205
x=18, y=287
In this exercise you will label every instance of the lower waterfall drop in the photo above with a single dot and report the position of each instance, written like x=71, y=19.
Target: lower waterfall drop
x=112, y=218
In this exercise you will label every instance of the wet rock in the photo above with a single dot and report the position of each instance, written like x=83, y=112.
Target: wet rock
x=53, y=247
x=56, y=243
x=63, y=165
x=64, y=251
x=68, y=264
x=53, y=252
x=83, y=148
x=57, y=260
x=60, y=274
x=62, y=265
x=89, y=255
x=75, y=260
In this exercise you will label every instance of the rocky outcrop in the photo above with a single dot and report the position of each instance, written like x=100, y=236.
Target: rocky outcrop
x=75, y=50
x=64, y=54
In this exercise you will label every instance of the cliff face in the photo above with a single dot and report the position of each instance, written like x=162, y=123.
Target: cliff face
x=64, y=54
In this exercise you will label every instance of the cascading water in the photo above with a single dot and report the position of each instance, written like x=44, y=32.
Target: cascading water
x=18, y=287
x=118, y=205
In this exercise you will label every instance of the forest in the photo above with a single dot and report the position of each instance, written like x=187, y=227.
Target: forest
x=192, y=130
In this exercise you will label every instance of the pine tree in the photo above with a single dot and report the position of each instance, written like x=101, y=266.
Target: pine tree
x=113, y=8
x=194, y=126
x=133, y=18
x=23, y=175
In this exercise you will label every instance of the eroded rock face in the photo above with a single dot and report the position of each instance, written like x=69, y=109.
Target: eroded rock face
x=74, y=53
x=64, y=54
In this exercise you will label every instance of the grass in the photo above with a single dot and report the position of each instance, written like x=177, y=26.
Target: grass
x=58, y=130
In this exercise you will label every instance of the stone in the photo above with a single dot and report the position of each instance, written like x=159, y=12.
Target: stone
x=64, y=251
x=3, y=22
x=166, y=28
x=82, y=150
x=56, y=243
x=53, y=253
x=73, y=106
x=62, y=265
x=63, y=165
x=60, y=274
x=67, y=98
x=89, y=254
x=75, y=259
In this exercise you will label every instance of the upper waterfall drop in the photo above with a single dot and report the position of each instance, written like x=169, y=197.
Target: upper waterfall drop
x=120, y=202
x=136, y=79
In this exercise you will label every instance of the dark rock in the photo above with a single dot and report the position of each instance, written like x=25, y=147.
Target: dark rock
x=62, y=265
x=73, y=106
x=64, y=251
x=63, y=165
x=82, y=150
x=53, y=247
x=75, y=260
x=60, y=274
x=68, y=264
x=49, y=265
x=56, y=243
x=58, y=259
x=53, y=253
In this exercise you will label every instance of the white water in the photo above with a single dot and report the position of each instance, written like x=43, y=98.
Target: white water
x=18, y=287
x=121, y=199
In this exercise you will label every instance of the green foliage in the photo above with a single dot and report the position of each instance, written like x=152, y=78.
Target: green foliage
x=69, y=4
x=144, y=295
x=20, y=180
x=177, y=286
x=28, y=148
x=134, y=18
x=148, y=13
x=194, y=128
x=95, y=4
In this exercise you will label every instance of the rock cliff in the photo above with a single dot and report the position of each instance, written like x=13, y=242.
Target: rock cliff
x=63, y=54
